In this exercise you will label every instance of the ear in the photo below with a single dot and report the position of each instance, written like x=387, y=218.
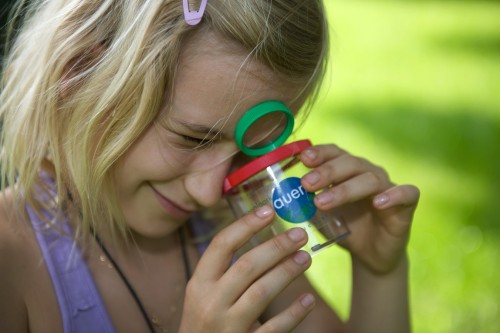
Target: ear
x=78, y=65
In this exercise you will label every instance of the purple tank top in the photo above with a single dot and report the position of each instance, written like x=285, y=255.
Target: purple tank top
x=80, y=304
x=81, y=307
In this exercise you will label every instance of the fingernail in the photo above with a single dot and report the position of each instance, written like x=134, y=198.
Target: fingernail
x=381, y=200
x=301, y=257
x=296, y=234
x=312, y=177
x=324, y=198
x=311, y=154
x=264, y=211
x=307, y=301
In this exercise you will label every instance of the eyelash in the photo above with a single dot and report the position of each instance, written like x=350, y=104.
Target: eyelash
x=193, y=139
x=200, y=143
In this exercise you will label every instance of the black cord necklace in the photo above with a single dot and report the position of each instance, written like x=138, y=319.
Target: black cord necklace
x=133, y=293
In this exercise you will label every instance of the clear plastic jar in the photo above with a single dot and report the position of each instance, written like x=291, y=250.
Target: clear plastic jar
x=274, y=179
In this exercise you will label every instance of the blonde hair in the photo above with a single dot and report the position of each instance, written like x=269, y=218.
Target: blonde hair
x=115, y=59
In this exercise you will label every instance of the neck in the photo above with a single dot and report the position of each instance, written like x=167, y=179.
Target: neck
x=139, y=251
x=152, y=322
x=153, y=246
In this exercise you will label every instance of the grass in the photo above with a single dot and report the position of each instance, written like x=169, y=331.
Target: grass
x=415, y=86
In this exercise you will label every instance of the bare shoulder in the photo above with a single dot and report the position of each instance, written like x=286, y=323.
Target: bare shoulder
x=12, y=280
x=14, y=232
x=27, y=299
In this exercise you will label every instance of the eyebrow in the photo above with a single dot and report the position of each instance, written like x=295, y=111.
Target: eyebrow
x=198, y=128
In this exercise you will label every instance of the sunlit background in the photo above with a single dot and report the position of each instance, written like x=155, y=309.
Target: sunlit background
x=415, y=86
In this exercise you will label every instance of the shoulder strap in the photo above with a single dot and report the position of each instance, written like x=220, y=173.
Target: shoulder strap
x=82, y=309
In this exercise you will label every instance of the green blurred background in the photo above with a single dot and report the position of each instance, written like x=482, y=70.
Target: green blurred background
x=414, y=86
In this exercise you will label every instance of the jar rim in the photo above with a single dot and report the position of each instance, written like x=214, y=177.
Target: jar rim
x=252, y=168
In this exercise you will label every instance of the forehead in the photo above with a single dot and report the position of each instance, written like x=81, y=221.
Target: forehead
x=217, y=81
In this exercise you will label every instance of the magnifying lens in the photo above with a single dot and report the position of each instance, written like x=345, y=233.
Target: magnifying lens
x=263, y=128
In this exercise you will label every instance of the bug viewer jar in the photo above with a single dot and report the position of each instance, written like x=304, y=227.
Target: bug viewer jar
x=274, y=179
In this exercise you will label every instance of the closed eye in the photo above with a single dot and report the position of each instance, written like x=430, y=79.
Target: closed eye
x=190, y=136
x=199, y=142
x=193, y=139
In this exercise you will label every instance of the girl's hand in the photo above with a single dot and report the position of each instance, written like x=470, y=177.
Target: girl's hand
x=221, y=297
x=377, y=212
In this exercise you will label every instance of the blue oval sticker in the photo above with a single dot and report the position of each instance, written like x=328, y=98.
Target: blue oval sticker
x=291, y=202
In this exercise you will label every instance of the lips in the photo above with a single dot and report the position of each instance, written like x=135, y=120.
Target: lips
x=171, y=207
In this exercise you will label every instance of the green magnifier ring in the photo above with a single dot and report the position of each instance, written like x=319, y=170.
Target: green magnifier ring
x=256, y=113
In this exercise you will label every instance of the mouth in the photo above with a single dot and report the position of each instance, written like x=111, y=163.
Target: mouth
x=171, y=207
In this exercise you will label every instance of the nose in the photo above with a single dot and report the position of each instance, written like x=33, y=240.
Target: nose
x=205, y=181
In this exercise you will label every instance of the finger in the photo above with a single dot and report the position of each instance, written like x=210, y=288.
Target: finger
x=355, y=189
x=402, y=195
x=254, y=327
x=316, y=155
x=259, y=260
x=264, y=290
x=337, y=170
x=291, y=317
x=217, y=258
x=397, y=206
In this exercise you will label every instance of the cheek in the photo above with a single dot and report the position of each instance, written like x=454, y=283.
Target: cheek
x=151, y=158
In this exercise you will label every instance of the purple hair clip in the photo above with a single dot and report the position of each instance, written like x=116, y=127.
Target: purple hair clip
x=194, y=17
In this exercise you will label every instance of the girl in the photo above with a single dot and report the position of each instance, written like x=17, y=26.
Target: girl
x=117, y=126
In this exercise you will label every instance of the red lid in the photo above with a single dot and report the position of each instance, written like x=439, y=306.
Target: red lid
x=259, y=164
